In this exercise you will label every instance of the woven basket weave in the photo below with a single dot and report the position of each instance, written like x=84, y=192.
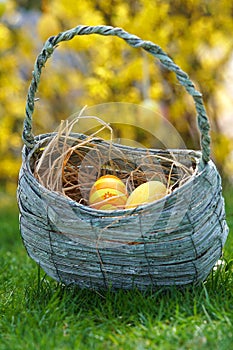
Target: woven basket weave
x=179, y=238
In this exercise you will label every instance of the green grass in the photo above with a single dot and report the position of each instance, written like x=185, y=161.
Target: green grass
x=37, y=313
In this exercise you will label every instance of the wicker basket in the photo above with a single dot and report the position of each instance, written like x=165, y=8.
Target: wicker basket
x=76, y=244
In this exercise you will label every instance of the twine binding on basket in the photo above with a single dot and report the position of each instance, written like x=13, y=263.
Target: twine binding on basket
x=175, y=240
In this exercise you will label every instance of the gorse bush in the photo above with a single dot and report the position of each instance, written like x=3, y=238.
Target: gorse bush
x=96, y=70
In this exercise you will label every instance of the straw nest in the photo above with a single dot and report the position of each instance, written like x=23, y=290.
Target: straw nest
x=70, y=165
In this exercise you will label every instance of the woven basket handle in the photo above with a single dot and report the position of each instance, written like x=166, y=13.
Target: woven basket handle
x=134, y=41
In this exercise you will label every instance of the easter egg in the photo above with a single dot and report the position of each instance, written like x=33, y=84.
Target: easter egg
x=108, y=193
x=145, y=193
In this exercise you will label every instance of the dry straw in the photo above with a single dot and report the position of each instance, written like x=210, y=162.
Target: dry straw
x=175, y=240
x=70, y=166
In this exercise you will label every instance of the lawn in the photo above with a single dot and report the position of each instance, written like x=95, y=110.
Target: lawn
x=37, y=313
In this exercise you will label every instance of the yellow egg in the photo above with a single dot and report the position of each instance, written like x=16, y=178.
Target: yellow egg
x=108, y=193
x=148, y=192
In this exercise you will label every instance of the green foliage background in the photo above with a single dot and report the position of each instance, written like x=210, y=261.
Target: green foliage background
x=93, y=70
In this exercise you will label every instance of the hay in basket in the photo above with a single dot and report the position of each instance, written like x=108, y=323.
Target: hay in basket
x=174, y=240
x=70, y=165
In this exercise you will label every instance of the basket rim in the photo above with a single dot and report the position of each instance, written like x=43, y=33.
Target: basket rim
x=200, y=169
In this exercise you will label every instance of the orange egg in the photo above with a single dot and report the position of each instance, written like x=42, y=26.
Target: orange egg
x=148, y=192
x=108, y=193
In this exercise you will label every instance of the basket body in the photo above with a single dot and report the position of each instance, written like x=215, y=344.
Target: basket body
x=174, y=241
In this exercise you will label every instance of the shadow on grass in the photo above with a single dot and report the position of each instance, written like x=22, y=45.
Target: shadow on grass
x=212, y=299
